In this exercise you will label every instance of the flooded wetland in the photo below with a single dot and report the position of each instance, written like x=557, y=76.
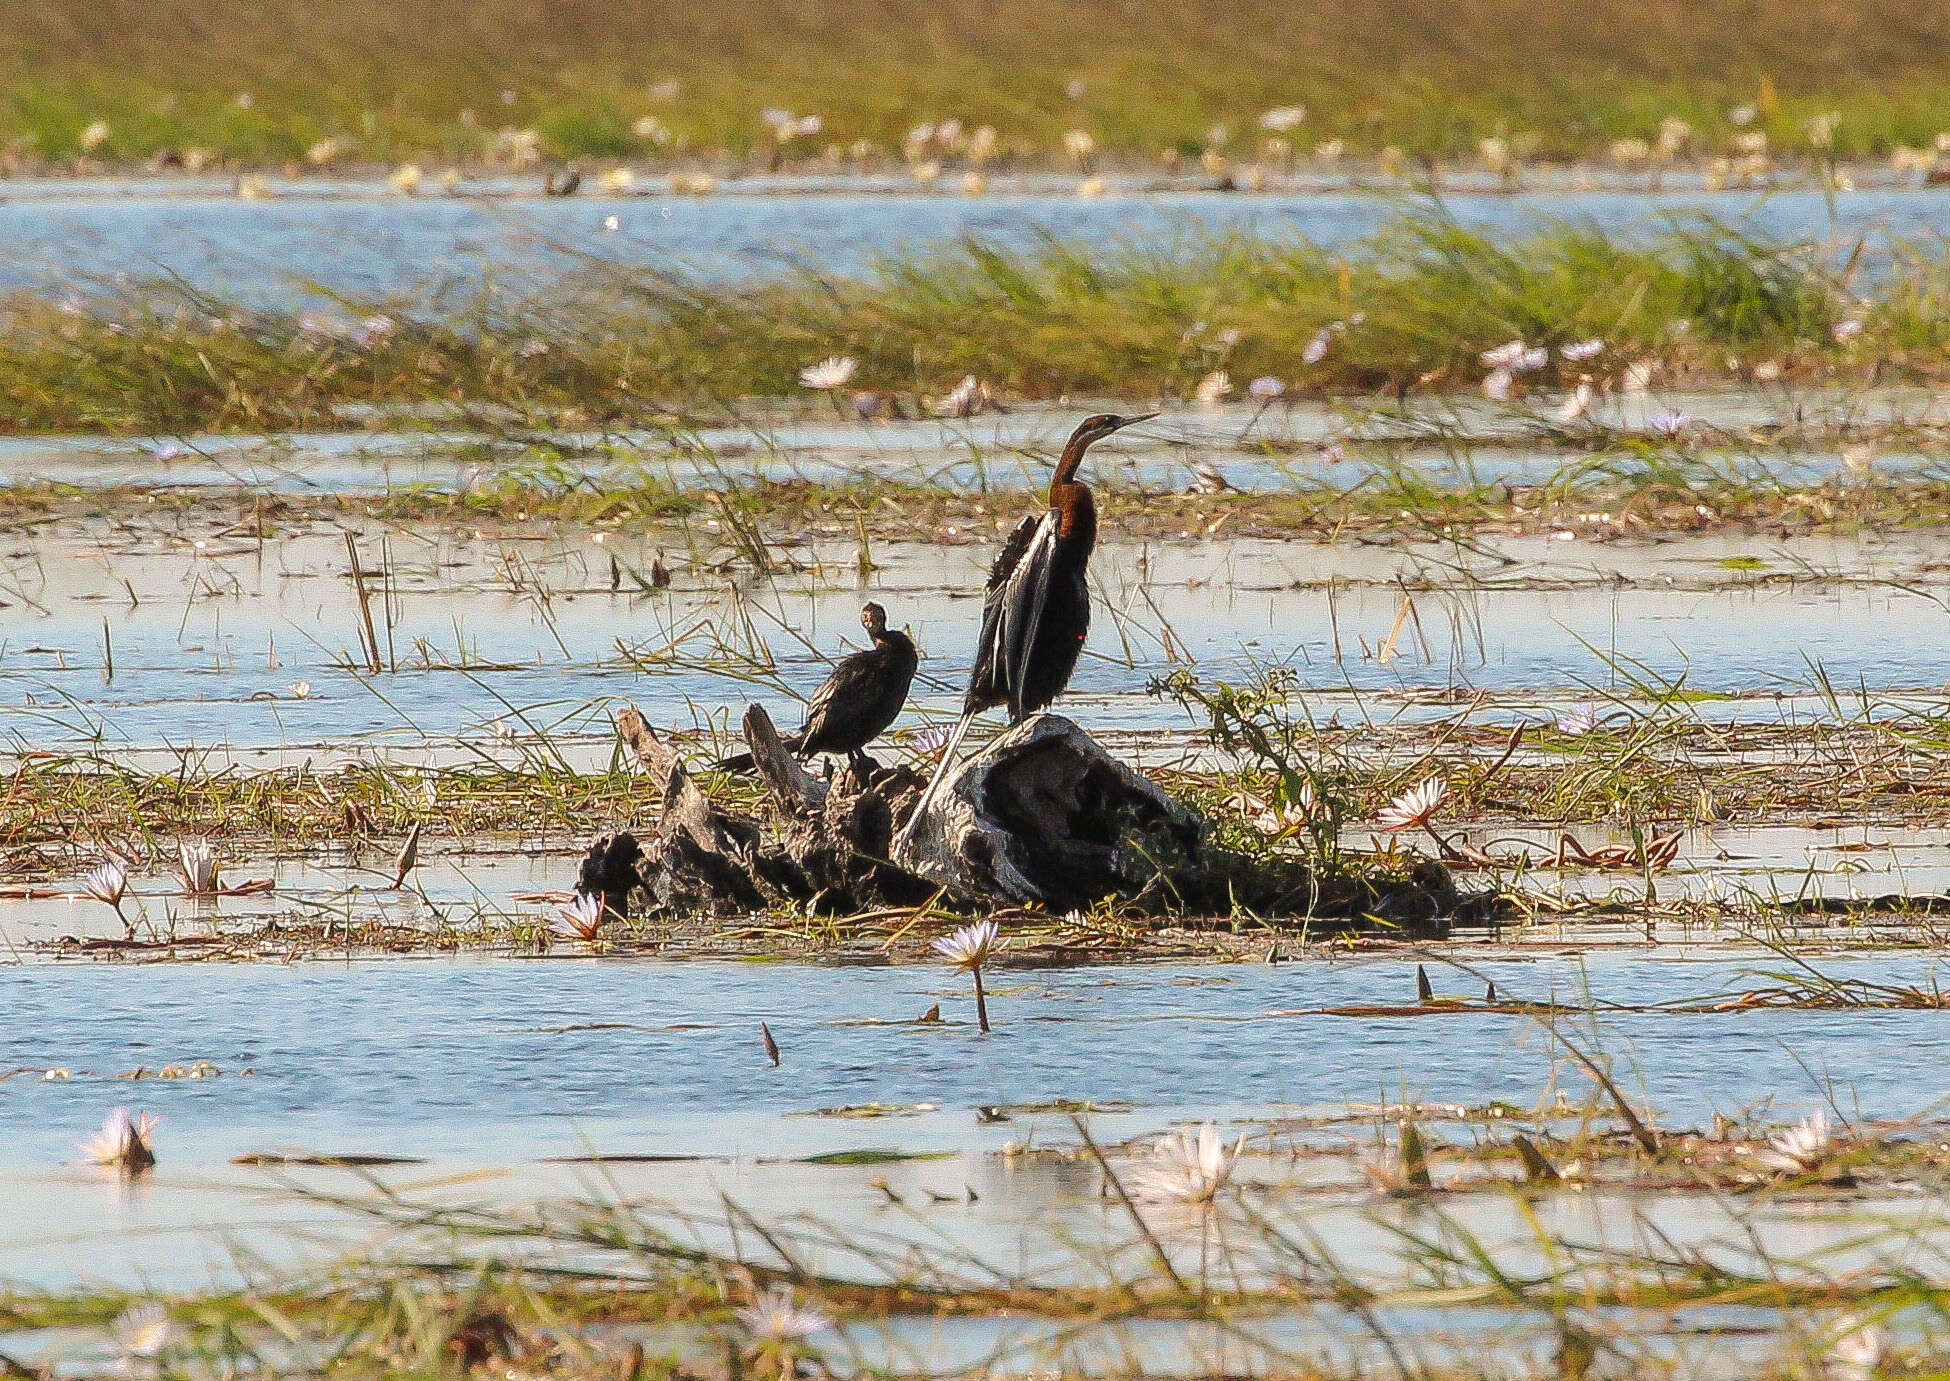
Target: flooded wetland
x=309, y=720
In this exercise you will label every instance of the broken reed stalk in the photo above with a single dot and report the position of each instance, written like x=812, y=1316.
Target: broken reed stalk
x=1415, y=1157
x=1536, y=1165
x=1647, y=1139
x=1158, y=1252
x=369, y=636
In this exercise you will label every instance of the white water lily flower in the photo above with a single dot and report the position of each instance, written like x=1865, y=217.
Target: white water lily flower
x=1288, y=817
x=1265, y=389
x=200, y=867
x=1638, y=377
x=143, y=1330
x=1079, y=144
x=581, y=919
x=1580, y=350
x=1413, y=807
x=372, y=330
x=300, y=690
x=835, y=371
x=966, y=399
x=1800, y=1148
x=1187, y=1168
x=1579, y=719
x=1577, y=404
x=612, y=222
x=1856, y=1352
x=1505, y=356
x=1496, y=385
x=1281, y=119
x=1213, y=388
x=125, y=1141
x=94, y=136
x=970, y=947
x=107, y=884
x=777, y=1318
x=1744, y=114
x=1316, y=350
x=1531, y=360
x=928, y=739
x=1847, y=329
x=1208, y=478
x=1671, y=424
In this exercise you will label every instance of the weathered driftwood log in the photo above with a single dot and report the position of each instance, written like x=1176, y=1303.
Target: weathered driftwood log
x=1044, y=814
x=700, y=859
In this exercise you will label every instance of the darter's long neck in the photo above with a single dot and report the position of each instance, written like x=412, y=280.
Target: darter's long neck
x=1076, y=517
x=1076, y=510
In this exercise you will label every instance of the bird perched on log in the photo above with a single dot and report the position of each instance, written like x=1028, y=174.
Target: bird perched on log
x=858, y=701
x=1036, y=611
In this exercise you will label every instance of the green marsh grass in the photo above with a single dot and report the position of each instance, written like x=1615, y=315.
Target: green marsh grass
x=1417, y=304
x=388, y=84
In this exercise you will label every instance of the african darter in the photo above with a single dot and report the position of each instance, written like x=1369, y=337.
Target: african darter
x=1036, y=611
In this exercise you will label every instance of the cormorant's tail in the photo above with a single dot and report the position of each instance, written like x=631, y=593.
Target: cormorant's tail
x=941, y=770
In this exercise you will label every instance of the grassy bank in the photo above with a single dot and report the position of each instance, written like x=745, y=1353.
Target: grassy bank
x=1362, y=1234
x=267, y=82
x=1409, y=311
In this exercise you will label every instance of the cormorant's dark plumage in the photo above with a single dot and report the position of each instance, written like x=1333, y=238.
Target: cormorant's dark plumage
x=858, y=701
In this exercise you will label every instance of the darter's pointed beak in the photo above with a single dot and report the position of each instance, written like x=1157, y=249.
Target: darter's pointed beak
x=1142, y=417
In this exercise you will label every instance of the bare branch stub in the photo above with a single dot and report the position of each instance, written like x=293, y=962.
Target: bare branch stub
x=795, y=790
x=652, y=754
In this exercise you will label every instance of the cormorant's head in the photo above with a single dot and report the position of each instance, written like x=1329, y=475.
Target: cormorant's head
x=873, y=618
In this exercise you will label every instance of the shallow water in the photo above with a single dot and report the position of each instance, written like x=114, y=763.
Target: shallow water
x=368, y=244
x=510, y=1063
x=223, y=642
x=1303, y=447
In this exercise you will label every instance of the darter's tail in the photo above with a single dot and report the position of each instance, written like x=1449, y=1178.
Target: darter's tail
x=941, y=770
